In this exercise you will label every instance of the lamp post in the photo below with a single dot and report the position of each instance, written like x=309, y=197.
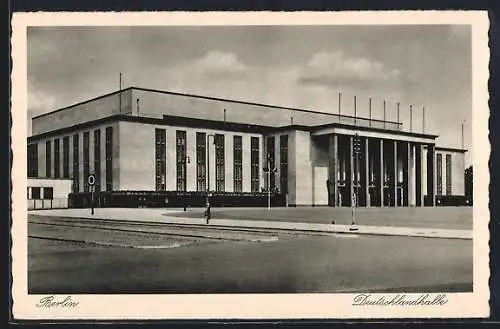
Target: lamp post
x=268, y=170
x=207, y=212
x=356, y=150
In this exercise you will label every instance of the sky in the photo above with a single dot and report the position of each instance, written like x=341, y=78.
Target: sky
x=295, y=66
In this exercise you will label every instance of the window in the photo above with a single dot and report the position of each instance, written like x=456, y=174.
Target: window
x=76, y=164
x=48, y=159
x=181, y=160
x=66, y=157
x=160, y=159
x=254, y=163
x=97, y=159
x=201, y=161
x=270, y=165
x=448, y=174
x=109, y=158
x=86, y=155
x=439, y=173
x=238, y=164
x=35, y=193
x=33, y=160
x=48, y=193
x=57, y=163
x=219, y=163
x=284, y=164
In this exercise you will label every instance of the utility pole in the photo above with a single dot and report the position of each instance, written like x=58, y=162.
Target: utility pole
x=423, y=120
x=462, y=124
x=370, y=110
x=340, y=99
x=411, y=118
x=398, y=114
x=120, y=92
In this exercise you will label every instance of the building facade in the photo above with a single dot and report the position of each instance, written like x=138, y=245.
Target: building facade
x=148, y=140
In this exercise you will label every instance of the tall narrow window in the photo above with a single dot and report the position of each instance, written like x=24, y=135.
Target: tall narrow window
x=48, y=159
x=254, y=163
x=439, y=173
x=160, y=159
x=76, y=163
x=238, y=164
x=270, y=165
x=33, y=160
x=448, y=174
x=181, y=160
x=57, y=160
x=66, y=157
x=109, y=158
x=201, y=160
x=219, y=163
x=86, y=159
x=97, y=159
x=284, y=164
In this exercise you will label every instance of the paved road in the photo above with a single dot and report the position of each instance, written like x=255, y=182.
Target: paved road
x=437, y=217
x=237, y=262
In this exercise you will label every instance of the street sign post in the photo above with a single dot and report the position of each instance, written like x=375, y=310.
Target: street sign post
x=91, y=181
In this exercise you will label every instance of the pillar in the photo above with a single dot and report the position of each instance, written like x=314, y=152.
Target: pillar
x=421, y=181
x=395, y=183
x=407, y=176
x=332, y=170
x=418, y=174
x=381, y=171
x=431, y=173
x=413, y=184
x=367, y=174
x=351, y=179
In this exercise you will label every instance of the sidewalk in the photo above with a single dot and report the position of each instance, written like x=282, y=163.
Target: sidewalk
x=153, y=215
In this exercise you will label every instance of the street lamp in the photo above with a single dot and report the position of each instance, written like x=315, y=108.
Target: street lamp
x=207, y=212
x=356, y=151
x=268, y=170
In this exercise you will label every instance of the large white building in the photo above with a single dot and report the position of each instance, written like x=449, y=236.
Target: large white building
x=153, y=143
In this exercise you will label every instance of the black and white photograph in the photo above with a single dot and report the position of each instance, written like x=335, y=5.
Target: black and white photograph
x=250, y=165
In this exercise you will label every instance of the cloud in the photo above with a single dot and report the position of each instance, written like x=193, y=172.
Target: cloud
x=39, y=101
x=219, y=62
x=334, y=69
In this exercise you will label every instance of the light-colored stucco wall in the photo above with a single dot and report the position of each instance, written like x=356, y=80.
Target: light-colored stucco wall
x=89, y=111
x=300, y=168
x=137, y=156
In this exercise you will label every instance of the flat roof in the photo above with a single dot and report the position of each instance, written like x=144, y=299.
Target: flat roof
x=215, y=99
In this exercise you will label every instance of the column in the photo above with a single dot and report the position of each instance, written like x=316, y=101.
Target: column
x=407, y=176
x=351, y=177
x=381, y=170
x=431, y=172
x=418, y=175
x=395, y=183
x=367, y=174
x=413, y=185
x=421, y=181
x=332, y=170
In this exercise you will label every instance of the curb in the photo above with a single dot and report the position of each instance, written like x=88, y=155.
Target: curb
x=359, y=231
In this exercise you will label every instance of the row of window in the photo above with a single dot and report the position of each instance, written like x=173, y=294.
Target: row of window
x=40, y=193
x=220, y=166
x=439, y=173
x=49, y=165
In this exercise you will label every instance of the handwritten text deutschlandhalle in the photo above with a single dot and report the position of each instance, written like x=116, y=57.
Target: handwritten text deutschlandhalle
x=399, y=300
x=53, y=302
